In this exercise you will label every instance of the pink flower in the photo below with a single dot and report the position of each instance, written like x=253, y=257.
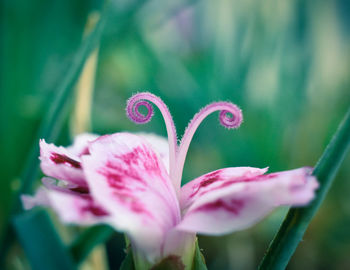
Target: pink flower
x=133, y=183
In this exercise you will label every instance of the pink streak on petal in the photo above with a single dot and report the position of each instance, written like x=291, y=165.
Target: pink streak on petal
x=215, y=180
x=208, y=179
x=63, y=159
x=82, y=210
x=234, y=206
x=60, y=163
x=159, y=145
x=92, y=208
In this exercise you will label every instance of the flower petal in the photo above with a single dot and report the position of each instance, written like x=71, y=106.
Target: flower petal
x=159, y=145
x=59, y=163
x=128, y=179
x=59, y=185
x=39, y=199
x=217, y=204
x=71, y=208
x=81, y=210
x=207, y=182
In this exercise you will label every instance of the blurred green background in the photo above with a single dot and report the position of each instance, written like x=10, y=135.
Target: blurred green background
x=285, y=63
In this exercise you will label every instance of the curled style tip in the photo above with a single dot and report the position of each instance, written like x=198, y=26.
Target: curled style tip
x=231, y=119
x=132, y=110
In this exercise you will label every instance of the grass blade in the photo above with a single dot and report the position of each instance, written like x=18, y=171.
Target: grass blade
x=128, y=262
x=52, y=123
x=88, y=239
x=198, y=261
x=297, y=220
x=41, y=243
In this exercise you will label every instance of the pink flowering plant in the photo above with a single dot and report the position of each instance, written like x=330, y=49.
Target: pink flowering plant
x=132, y=182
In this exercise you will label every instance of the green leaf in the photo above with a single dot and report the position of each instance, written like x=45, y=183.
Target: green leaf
x=41, y=243
x=87, y=240
x=198, y=261
x=128, y=263
x=53, y=122
x=297, y=220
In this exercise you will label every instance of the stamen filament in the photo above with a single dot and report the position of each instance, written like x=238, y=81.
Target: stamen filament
x=229, y=122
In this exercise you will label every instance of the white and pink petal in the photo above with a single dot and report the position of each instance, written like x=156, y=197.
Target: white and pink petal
x=59, y=163
x=159, y=145
x=63, y=186
x=214, y=180
x=224, y=206
x=127, y=177
x=40, y=198
x=73, y=208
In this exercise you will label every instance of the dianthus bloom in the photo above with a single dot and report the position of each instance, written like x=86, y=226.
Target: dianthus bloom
x=133, y=183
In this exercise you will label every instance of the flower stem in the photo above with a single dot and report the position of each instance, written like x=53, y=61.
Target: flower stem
x=297, y=220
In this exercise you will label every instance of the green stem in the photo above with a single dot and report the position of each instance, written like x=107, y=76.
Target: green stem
x=297, y=220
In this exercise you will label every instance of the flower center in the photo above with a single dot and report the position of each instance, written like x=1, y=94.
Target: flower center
x=230, y=117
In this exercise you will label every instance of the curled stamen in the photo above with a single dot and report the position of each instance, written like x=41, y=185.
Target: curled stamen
x=132, y=111
x=230, y=117
x=229, y=120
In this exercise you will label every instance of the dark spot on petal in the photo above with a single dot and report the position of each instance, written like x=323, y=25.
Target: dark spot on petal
x=97, y=211
x=208, y=179
x=92, y=208
x=63, y=159
x=85, y=151
x=233, y=206
x=242, y=179
x=81, y=190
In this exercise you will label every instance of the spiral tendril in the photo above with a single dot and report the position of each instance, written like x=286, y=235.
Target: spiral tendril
x=132, y=110
x=229, y=119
